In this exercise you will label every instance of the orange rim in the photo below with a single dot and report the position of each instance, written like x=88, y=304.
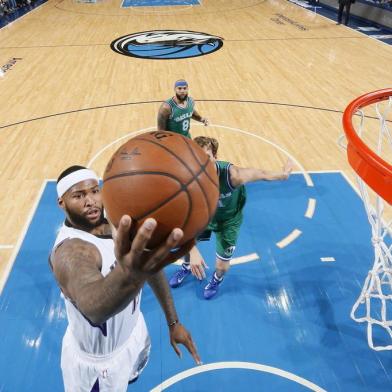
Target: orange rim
x=374, y=170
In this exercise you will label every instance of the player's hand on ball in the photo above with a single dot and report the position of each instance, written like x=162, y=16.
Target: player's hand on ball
x=133, y=255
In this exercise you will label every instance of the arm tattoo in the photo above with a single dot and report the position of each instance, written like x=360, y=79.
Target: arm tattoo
x=163, y=115
x=76, y=265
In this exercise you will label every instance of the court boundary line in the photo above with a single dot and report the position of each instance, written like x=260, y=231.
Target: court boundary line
x=236, y=365
x=295, y=233
x=346, y=177
x=21, y=237
x=311, y=208
x=290, y=238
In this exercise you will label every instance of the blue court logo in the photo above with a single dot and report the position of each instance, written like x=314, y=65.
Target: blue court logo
x=167, y=44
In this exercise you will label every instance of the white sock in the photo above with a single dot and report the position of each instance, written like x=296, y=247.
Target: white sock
x=217, y=277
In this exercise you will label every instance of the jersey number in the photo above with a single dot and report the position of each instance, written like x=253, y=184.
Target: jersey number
x=185, y=125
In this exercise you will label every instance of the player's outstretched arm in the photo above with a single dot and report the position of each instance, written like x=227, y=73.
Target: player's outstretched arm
x=163, y=115
x=76, y=265
x=196, y=116
x=178, y=334
x=240, y=176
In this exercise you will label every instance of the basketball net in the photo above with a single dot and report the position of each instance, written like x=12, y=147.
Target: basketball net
x=374, y=304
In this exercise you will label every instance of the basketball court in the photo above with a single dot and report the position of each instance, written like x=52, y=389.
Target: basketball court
x=274, y=79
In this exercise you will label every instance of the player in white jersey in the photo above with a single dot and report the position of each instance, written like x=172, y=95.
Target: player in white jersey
x=106, y=344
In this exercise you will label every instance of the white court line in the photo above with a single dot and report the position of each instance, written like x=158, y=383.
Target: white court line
x=351, y=183
x=327, y=259
x=234, y=260
x=325, y=171
x=289, y=239
x=11, y=261
x=356, y=189
x=244, y=259
x=311, y=207
x=307, y=177
x=308, y=180
x=128, y=135
x=6, y=246
x=236, y=365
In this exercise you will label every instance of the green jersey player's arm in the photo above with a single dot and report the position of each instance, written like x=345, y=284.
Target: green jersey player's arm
x=163, y=115
x=240, y=175
x=196, y=116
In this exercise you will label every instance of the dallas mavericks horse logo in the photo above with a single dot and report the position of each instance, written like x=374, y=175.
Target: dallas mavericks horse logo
x=167, y=44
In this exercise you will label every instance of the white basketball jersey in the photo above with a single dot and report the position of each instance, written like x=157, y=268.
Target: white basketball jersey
x=100, y=339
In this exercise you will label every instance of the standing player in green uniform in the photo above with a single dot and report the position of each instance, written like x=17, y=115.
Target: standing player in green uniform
x=175, y=113
x=228, y=217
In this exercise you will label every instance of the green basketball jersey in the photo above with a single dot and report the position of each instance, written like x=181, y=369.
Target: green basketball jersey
x=231, y=200
x=180, y=118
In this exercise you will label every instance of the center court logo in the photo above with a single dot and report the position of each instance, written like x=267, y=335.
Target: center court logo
x=167, y=44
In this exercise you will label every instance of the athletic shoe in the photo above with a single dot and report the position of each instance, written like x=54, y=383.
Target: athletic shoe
x=212, y=288
x=179, y=277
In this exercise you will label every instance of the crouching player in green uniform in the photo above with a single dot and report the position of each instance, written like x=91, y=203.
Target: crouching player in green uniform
x=228, y=218
x=175, y=113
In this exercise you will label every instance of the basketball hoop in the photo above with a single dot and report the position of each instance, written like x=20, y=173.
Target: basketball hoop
x=374, y=176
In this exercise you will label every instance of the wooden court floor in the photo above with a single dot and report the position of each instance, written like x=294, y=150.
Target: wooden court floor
x=283, y=74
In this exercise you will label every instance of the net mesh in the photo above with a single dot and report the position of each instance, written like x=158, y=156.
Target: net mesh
x=374, y=304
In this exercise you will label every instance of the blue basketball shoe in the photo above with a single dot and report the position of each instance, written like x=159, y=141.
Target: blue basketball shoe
x=212, y=288
x=179, y=276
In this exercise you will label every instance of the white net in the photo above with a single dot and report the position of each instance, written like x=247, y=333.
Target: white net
x=374, y=305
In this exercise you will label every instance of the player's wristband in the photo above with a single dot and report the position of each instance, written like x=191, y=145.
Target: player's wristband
x=173, y=323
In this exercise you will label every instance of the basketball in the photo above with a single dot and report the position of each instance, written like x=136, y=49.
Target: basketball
x=165, y=176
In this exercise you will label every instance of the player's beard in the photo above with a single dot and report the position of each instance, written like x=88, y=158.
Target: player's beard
x=81, y=222
x=182, y=99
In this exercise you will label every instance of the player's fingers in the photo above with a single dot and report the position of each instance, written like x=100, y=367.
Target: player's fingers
x=159, y=255
x=196, y=271
x=143, y=235
x=121, y=238
x=201, y=273
x=193, y=270
x=176, y=349
x=192, y=349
